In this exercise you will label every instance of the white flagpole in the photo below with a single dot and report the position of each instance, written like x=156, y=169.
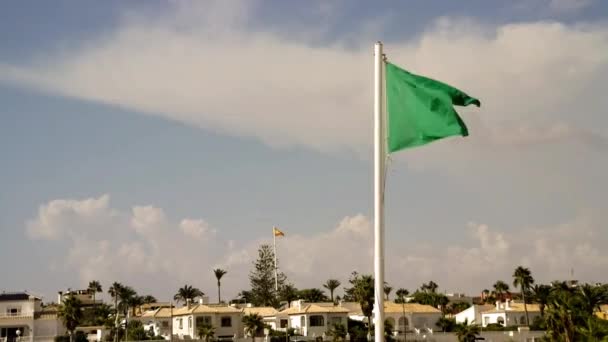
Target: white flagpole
x=379, y=159
x=276, y=272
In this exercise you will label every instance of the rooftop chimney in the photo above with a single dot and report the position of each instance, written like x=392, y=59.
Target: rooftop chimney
x=508, y=304
x=188, y=303
x=497, y=305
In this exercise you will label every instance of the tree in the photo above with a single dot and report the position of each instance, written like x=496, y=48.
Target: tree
x=522, y=277
x=70, y=313
x=136, y=332
x=541, y=294
x=332, y=285
x=288, y=293
x=219, y=273
x=205, y=331
x=430, y=287
x=338, y=332
x=466, y=332
x=500, y=290
x=187, y=293
x=94, y=287
x=362, y=291
x=253, y=324
x=114, y=292
x=401, y=294
x=446, y=324
x=149, y=299
x=387, y=290
x=262, y=278
x=592, y=297
x=312, y=295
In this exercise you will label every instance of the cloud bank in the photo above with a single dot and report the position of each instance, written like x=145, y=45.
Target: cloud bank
x=133, y=247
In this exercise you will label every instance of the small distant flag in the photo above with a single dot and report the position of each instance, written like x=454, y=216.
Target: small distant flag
x=277, y=232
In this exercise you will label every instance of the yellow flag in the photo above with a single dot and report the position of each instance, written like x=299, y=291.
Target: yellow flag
x=277, y=232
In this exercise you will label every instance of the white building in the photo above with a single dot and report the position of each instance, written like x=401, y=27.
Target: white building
x=23, y=318
x=312, y=319
x=411, y=316
x=225, y=319
x=269, y=314
x=157, y=322
x=472, y=315
x=509, y=314
x=85, y=297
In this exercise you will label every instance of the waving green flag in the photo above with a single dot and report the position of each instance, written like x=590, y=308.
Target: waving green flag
x=420, y=110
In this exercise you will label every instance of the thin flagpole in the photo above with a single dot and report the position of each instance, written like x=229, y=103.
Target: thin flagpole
x=379, y=160
x=276, y=272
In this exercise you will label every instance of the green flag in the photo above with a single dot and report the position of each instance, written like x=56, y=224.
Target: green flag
x=420, y=110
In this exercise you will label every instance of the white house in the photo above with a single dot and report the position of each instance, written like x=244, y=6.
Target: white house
x=411, y=316
x=472, y=315
x=225, y=319
x=23, y=318
x=269, y=314
x=509, y=314
x=157, y=322
x=312, y=319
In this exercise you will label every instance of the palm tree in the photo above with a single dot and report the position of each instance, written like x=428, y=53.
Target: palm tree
x=253, y=324
x=466, y=332
x=331, y=285
x=70, y=312
x=486, y=295
x=430, y=287
x=94, y=287
x=500, y=289
x=592, y=297
x=219, y=273
x=205, y=331
x=387, y=290
x=114, y=292
x=541, y=294
x=522, y=277
x=149, y=299
x=401, y=294
x=187, y=293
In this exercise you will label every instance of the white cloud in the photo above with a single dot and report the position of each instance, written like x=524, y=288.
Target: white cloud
x=197, y=229
x=231, y=79
x=174, y=258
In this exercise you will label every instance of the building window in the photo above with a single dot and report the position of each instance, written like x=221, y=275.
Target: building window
x=13, y=311
x=180, y=323
x=317, y=321
x=189, y=322
x=404, y=322
x=302, y=321
x=522, y=320
x=283, y=323
x=165, y=324
x=226, y=321
x=486, y=320
x=500, y=321
x=203, y=320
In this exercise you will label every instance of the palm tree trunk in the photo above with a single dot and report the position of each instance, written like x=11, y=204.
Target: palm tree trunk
x=523, y=296
x=219, y=294
x=331, y=293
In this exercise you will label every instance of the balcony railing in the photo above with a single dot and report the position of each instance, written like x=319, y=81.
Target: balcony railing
x=16, y=314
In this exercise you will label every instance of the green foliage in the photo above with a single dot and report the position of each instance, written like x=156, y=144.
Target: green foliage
x=312, y=295
x=337, y=332
x=205, y=332
x=288, y=293
x=219, y=273
x=70, y=313
x=332, y=285
x=253, y=325
x=136, y=332
x=262, y=278
x=501, y=290
x=466, y=332
x=401, y=294
x=188, y=292
x=446, y=324
x=361, y=291
x=457, y=307
x=357, y=330
x=387, y=290
x=433, y=299
x=522, y=277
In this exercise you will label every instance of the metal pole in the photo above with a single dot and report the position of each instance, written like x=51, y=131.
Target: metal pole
x=379, y=160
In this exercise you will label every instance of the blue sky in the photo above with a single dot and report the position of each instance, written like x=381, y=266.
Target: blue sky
x=175, y=134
